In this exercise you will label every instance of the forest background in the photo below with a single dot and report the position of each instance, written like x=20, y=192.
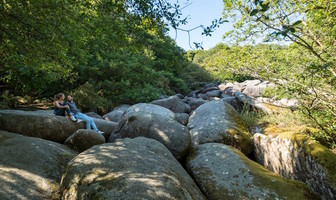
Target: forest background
x=118, y=52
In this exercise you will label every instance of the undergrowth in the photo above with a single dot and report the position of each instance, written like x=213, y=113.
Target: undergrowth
x=285, y=120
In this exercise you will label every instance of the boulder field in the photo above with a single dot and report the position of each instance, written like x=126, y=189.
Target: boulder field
x=193, y=146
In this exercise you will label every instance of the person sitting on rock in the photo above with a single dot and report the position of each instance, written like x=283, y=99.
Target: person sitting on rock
x=80, y=116
x=61, y=108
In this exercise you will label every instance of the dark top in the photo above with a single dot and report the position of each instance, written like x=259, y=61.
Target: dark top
x=73, y=107
x=60, y=111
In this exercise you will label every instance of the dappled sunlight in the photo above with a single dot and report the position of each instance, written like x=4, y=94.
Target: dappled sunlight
x=217, y=121
x=162, y=134
x=156, y=122
x=22, y=184
x=150, y=171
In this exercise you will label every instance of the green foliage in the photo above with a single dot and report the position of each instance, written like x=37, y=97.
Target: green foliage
x=88, y=99
x=305, y=71
x=297, y=73
x=107, y=52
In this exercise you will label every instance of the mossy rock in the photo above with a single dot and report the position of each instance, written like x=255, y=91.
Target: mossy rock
x=295, y=155
x=217, y=121
x=223, y=172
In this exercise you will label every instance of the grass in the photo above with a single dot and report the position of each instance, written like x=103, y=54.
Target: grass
x=283, y=120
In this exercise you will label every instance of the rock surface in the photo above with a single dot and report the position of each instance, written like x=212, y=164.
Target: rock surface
x=173, y=103
x=223, y=172
x=195, y=103
x=217, y=121
x=84, y=139
x=31, y=168
x=45, y=125
x=295, y=156
x=182, y=118
x=154, y=122
x=116, y=113
x=139, y=168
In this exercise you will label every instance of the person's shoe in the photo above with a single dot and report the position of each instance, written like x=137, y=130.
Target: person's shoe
x=79, y=120
x=100, y=132
x=73, y=118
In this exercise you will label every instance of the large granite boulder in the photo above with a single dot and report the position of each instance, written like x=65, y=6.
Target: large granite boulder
x=234, y=88
x=31, y=168
x=116, y=113
x=251, y=83
x=295, y=156
x=84, y=139
x=217, y=121
x=195, y=103
x=223, y=172
x=182, y=118
x=214, y=93
x=250, y=102
x=154, y=122
x=255, y=91
x=173, y=103
x=235, y=103
x=139, y=168
x=46, y=125
x=209, y=89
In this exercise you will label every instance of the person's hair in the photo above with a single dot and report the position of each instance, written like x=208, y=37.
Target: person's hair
x=58, y=96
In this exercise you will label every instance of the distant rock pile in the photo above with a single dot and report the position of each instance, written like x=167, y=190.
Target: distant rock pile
x=144, y=145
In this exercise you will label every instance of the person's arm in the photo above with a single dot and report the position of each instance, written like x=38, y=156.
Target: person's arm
x=59, y=106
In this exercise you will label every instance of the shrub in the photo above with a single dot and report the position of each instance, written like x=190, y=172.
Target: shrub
x=88, y=99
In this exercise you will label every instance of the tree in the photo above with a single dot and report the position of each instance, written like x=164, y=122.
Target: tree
x=310, y=24
x=116, y=49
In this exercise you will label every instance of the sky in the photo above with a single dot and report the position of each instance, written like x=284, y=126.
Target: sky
x=200, y=12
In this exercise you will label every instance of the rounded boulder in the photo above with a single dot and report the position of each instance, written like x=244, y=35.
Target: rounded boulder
x=217, y=121
x=154, y=122
x=139, y=168
x=223, y=172
x=84, y=139
x=31, y=168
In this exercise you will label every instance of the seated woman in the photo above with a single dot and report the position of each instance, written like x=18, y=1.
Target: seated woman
x=61, y=108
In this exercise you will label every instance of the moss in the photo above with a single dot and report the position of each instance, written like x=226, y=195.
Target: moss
x=319, y=153
x=55, y=189
x=240, y=129
x=262, y=178
x=273, y=130
x=274, y=108
x=273, y=182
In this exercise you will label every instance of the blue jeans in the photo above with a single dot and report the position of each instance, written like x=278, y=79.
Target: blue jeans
x=88, y=121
